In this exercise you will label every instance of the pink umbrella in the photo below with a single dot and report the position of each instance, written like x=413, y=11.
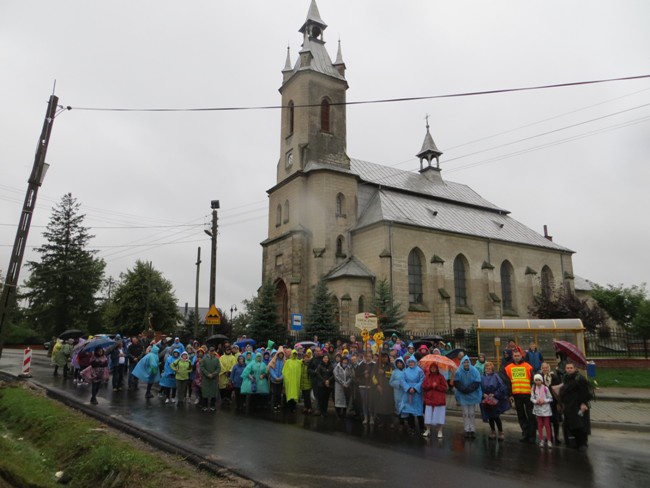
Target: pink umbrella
x=571, y=350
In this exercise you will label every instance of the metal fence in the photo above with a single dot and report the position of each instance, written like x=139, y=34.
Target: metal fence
x=604, y=343
x=457, y=338
x=608, y=343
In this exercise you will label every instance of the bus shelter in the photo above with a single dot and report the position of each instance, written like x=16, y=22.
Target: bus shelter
x=493, y=335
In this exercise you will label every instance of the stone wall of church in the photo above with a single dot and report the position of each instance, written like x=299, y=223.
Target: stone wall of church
x=483, y=260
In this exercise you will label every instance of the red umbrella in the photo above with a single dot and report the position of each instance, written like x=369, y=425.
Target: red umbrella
x=572, y=352
x=443, y=362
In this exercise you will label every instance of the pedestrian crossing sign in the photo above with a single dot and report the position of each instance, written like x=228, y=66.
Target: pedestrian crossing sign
x=213, y=316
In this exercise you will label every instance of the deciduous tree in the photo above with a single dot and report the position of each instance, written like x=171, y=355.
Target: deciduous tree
x=621, y=303
x=561, y=304
x=143, y=298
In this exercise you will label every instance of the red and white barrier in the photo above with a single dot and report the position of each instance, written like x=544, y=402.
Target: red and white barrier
x=27, y=362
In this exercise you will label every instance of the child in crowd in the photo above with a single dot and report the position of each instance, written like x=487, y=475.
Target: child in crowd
x=541, y=397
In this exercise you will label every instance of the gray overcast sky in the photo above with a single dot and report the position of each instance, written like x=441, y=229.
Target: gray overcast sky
x=588, y=183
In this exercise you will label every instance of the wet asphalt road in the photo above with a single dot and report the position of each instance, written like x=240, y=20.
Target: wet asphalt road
x=292, y=450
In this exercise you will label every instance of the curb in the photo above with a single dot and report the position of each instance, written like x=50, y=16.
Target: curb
x=622, y=426
x=153, y=440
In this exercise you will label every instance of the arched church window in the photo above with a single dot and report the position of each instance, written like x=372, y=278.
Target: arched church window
x=340, y=242
x=340, y=205
x=278, y=216
x=547, y=281
x=460, y=281
x=286, y=211
x=362, y=305
x=325, y=116
x=415, y=276
x=506, y=285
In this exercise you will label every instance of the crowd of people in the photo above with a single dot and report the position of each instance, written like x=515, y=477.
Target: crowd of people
x=391, y=385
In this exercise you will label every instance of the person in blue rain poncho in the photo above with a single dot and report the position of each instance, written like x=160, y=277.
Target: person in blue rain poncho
x=147, y=370
x=255, y=383
x=236, y=381
x=467, y=382
x=412, y=400
x=168, y=378
x=396, y=383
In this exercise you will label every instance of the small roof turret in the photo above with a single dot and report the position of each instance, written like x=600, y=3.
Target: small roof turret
x=429, y=150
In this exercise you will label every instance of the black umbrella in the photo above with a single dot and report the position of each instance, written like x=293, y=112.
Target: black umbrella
x=435, y=338
x=216, y=339
x=420, y=342
x=454, y=354
x=71, y=334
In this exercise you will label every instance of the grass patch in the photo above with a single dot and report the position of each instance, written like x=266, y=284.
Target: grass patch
x=39, y=437
x=623, y=377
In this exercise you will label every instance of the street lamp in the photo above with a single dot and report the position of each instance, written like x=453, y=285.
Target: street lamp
x=232, y=309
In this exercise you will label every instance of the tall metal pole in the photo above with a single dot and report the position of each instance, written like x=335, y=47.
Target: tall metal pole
x=18, y=252
x=196, y=296
x=213, y=257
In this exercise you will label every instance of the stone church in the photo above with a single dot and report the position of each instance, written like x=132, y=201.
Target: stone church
x=450, y=256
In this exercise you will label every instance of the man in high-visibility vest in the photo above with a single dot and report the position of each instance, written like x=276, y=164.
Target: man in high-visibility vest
x=520, y=374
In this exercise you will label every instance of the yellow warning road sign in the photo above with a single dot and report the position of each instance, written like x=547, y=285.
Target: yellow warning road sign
x=213, y=316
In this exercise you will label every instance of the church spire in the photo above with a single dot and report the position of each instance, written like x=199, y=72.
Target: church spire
x=339, y=64
x=429, y=151
x=314, y=26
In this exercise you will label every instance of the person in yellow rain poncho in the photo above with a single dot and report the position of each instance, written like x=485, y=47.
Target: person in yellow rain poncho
x=291, y=373
x=228, y=361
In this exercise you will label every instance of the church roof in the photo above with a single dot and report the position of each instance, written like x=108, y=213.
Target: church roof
x=385, y=204
x=386, y=176
x=321, y=61
x=582, y=284
x=351, y=267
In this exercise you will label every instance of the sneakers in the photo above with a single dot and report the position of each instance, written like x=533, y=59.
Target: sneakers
x=148, y=395
x=173, y=400
x=204, y=409
x=94, y=401
x=492, y=436
x=439, y=434
x=549, y=445
x=212, y=409
x=501, y=436
x=541, y=443
x=365, y=420
x=167, y=401
x=426, y=433
x=372, y=420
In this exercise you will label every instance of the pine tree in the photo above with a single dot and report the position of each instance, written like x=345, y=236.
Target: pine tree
x=265, y=321
x=387, y=311
x=61, y=288
x=320, y=320
x=143, y=297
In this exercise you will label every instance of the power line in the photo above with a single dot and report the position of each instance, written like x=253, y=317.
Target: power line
x=364, y=102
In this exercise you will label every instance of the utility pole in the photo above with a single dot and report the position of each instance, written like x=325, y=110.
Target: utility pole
x=214, y=204
x=20, y=243
x=196, y=296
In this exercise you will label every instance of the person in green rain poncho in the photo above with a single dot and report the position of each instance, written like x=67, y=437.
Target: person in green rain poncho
x=210, y=368
x=256, y=381
x=291, y=373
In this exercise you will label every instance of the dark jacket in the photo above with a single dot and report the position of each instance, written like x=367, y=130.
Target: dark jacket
x=324, y=372
x=575, y=391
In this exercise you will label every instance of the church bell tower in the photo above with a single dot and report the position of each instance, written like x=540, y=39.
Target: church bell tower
x=313, y=93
